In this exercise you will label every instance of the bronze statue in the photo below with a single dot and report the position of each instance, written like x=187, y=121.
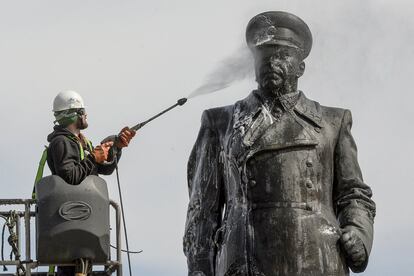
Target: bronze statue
x=274, y=182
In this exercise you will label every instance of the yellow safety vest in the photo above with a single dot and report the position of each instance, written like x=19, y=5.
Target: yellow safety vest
x=43, y=159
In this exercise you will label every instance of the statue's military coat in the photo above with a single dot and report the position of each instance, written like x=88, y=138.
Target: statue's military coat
x=269, y=197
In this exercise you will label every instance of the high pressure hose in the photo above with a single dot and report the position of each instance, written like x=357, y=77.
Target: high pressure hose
x=2, y=245
x=123, y=214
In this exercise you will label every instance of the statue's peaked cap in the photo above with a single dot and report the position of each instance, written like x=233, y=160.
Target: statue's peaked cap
x=279, y=28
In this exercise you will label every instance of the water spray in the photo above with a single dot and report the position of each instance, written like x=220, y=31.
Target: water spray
x=233, y=68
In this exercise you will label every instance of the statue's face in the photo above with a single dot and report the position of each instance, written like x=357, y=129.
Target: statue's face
x=278, y=68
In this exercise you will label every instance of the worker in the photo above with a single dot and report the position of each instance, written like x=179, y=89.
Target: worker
x=71, y=155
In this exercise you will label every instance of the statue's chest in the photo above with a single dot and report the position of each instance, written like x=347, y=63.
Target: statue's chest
x=257, y=133
x=277, y=161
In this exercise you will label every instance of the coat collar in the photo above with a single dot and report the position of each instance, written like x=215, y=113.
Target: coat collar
x=309, y=109
x=247, y=108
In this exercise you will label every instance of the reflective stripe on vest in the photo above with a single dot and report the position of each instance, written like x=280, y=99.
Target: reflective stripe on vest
x=39, y=173
x=51, y=270
x=82, y=152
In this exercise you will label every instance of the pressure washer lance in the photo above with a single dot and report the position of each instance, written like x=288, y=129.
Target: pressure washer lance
x=114, y=138
x=180, y=102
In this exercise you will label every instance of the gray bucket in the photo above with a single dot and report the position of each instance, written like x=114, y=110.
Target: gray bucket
x=72, y=221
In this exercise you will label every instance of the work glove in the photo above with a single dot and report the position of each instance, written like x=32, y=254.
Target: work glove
x=100, y=153
x=124, y=137
x=353, y=247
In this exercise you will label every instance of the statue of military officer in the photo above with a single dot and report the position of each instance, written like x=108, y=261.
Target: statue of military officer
x=274, y=182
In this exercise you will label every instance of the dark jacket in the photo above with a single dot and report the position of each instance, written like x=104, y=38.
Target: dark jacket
x=64, y=158
x=286, y=189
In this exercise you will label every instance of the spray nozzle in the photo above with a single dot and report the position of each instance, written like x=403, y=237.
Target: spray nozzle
x=182, y=101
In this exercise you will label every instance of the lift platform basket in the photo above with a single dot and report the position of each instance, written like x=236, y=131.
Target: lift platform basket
x=72, y=221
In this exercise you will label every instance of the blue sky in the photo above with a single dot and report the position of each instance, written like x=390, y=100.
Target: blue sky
x=130, y=59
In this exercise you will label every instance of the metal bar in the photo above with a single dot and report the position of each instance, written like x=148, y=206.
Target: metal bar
x=19, y=213
x=118, y=236
x=9, y=262
x=18, y=201
x=112, y=263
x=36, y=264
x=27, y=236
x=18, y=233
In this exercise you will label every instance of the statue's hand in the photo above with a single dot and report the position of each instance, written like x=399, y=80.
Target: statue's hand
x=353, y=247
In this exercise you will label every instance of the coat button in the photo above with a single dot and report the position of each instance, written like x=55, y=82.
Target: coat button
x=309, y=163
x=252, y=183
x=309, y=184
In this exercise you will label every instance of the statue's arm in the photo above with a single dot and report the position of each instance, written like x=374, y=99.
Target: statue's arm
x=352, y=197
x=205, y=206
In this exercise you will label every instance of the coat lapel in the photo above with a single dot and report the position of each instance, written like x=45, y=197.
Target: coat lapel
x=309, y=109
x=246, y=115
x=251, y=119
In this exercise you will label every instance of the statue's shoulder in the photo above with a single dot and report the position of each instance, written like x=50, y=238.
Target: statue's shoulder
x=321, y=114
x=223, y=115
x=218, y=117
x=320, y=108
x=220, y=111
x=332, y=112
x=333, y=115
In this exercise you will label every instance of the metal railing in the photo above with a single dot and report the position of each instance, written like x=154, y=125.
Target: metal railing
x=29, y=264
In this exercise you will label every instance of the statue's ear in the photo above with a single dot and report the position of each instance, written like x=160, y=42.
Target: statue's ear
x=301, y=69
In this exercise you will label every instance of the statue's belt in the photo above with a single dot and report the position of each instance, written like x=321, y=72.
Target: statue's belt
x=281, y=204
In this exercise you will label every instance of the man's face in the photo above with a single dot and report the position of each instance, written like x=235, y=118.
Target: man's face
x=278, y=68
x=82, y=122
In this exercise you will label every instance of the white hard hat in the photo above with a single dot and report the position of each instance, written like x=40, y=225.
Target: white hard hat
x=67, y=100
